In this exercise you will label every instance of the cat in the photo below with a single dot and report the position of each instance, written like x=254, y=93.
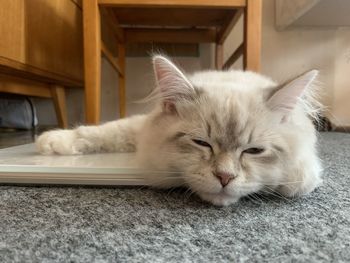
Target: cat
x=228, y=133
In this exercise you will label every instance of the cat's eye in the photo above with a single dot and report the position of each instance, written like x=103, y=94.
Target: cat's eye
x=201, y=143
x=254, y=150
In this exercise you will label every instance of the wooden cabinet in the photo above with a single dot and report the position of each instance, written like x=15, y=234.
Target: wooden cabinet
x=46, y=35
x=41, y=40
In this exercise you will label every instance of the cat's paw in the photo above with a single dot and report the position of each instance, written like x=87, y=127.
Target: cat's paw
x=301, y=189
x=62, y=142
x=305, y=185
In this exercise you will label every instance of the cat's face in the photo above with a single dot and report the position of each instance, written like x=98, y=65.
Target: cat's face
x=226, y=147
x=227, y=143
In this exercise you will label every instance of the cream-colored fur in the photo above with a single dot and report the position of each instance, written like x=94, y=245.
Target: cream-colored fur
x=208, y=124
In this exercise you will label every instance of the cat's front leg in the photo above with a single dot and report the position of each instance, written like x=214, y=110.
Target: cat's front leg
x=115, y=136
x=65, y=142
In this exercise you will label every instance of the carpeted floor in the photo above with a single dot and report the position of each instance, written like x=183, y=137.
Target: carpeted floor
x=77, y=224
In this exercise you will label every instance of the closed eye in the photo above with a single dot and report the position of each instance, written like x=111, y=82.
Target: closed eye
x=201, y=143
x=254, y=150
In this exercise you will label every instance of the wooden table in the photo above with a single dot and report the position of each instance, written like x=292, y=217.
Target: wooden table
x=163, y=21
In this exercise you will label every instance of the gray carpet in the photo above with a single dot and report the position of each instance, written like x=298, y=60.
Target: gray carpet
x=77, y=224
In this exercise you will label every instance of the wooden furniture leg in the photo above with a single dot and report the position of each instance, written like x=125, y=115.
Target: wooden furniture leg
x=252, y=35
x=59, y=101
x=92, y=60
x=219, y=56
x=121, y=80
x=15, y=85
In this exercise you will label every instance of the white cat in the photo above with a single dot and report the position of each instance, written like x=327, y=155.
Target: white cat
x=229, y=133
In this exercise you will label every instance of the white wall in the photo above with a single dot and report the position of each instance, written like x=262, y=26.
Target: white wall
x=289, y=53
x=294, y=51
x=284, y=55
x=341, y=88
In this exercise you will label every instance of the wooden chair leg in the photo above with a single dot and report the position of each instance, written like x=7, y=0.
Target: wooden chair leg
x=252, y=35
x=59, y=101
x=121, y=80
x=92, y=60
x=219, y=56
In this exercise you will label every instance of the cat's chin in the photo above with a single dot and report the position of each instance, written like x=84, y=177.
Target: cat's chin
x=219, y=199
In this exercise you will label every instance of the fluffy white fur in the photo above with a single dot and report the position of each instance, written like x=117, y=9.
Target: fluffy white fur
x=236, y=125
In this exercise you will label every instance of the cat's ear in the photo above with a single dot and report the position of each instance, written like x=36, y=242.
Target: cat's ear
x=286, y=98
x=172, y=84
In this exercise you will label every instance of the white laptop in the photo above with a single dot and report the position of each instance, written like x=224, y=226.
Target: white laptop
x=22, y=164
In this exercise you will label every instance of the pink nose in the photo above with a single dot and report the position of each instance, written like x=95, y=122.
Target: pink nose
x=224, y=178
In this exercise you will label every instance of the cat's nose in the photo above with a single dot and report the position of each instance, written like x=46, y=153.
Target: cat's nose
x=224, y=178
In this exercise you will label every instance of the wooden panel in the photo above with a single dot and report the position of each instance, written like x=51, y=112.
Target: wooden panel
x=43, y=34
x=171, y=16
x=18, y=69
x=175, y=3
x=15, y=85
x=54, y=36
x=170, y=35
x=252, y=35
x=12, y=30
x=113, y=23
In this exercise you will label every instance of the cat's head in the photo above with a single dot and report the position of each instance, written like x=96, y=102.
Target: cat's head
x=230, y=133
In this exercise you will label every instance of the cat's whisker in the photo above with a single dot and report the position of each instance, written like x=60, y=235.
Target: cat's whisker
x=275, y=193
x=170, y=190
x=142, y=187
x=257, y=198
x=191, y=192
x=187, y=190
x=266, y=198
x=284, y=183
